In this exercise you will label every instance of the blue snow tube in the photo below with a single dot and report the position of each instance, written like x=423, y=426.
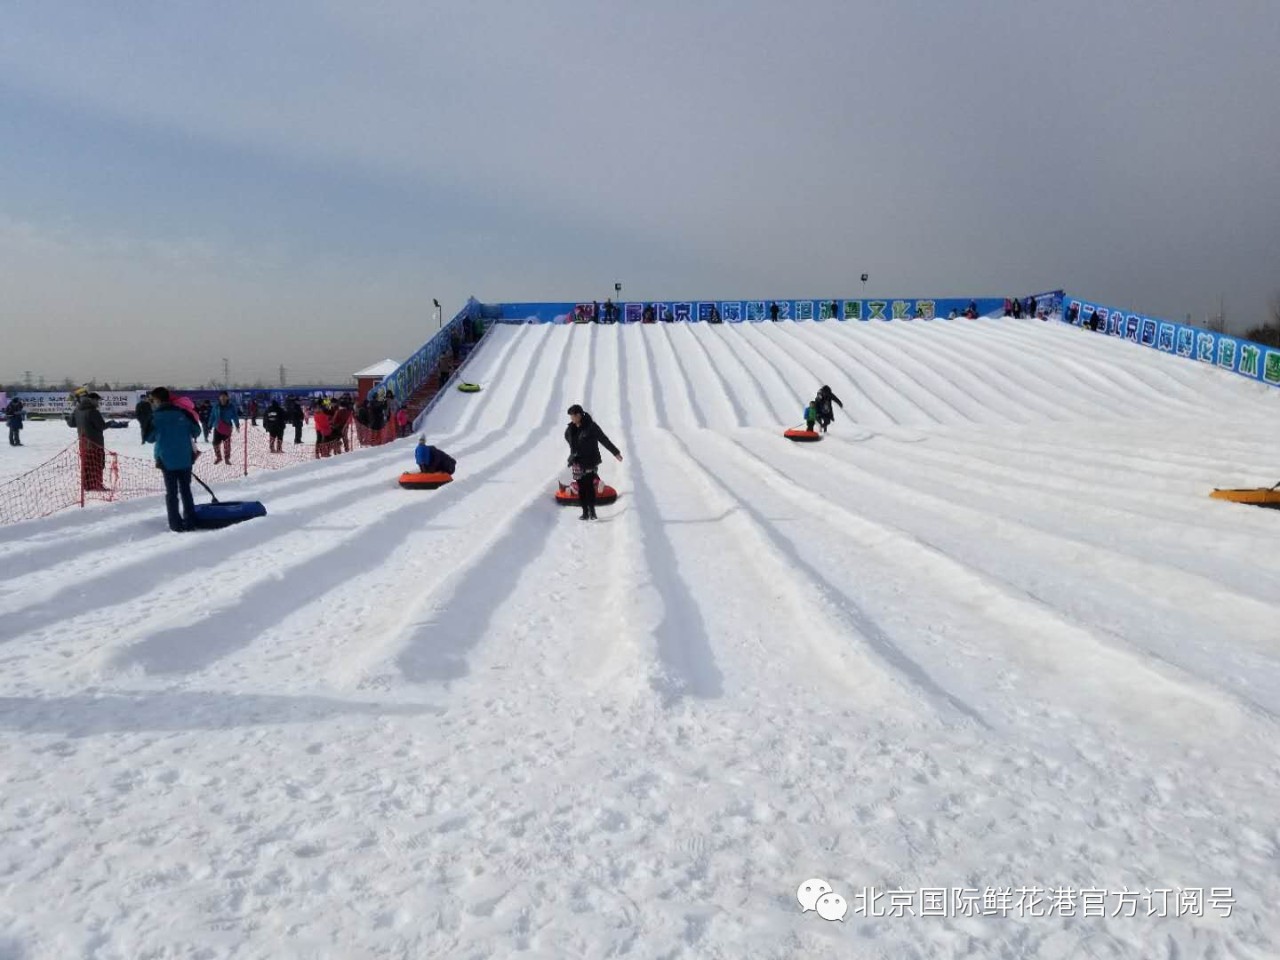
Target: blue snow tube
x=214, y=516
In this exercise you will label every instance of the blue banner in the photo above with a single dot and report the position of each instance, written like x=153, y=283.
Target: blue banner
x=1244, y=357
x=763, y=311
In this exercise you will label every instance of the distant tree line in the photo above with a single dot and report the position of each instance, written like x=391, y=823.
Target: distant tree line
x=67, y=384
x=40, y=385
x=1269, y=332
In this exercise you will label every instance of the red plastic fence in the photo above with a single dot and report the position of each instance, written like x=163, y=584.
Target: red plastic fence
x=85, y=472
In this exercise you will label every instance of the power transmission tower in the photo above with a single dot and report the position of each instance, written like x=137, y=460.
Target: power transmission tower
x=226, y=373
x=283, y=382
x=42, y=381
x=26, y=379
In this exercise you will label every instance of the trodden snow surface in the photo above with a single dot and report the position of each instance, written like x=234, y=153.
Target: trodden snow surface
x=989, y=636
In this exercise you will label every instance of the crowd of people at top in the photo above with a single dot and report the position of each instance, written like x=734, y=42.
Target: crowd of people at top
x=1013, y=307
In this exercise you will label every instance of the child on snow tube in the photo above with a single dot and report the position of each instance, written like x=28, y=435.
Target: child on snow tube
x=810, y=416
x=433, y=459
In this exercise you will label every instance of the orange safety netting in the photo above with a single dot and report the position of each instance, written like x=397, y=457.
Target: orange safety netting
x=85, y=472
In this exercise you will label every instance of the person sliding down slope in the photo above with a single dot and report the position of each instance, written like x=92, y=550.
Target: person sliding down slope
x=433, y=459
x=584, y=437
x=823, y=403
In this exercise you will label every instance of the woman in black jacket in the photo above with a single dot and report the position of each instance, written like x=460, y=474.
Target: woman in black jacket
x=585, y=437
x=823, y=403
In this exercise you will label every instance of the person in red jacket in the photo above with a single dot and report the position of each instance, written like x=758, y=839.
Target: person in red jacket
x=323, y=426
x=338, y=436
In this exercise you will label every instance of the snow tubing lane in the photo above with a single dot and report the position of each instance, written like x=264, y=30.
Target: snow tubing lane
x=1257, y=497
x=566, y=497
x=424, y=481
x=802, y=436
x=215, y=516
x=469, y=387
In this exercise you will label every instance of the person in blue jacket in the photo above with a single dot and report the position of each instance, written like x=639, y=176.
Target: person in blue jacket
x=223, y=416
x=172, y=431
x=433, y=459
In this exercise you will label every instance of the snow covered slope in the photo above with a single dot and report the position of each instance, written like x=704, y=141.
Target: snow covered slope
x=990, y=634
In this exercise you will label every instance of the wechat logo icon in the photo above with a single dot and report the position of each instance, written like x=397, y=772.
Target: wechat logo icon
x=816, y=895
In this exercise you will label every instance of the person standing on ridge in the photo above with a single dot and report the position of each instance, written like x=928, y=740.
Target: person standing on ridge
x=14, y=414
x=324, y=426
x=293, y=415
x=585, y=437
x=142, y=411
x=275, y=421
x=224, y=417
x=90, y=426
x=341, y=425
x=823, y=404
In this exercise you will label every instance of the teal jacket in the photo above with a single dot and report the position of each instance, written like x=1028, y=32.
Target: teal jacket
x=172, y=431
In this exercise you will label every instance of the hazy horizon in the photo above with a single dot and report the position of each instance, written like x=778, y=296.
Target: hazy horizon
x=294, y=184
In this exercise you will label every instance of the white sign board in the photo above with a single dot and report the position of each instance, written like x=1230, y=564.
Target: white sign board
x=113, y=402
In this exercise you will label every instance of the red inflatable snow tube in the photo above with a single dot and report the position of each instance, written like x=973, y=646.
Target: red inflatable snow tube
x=424, y=481
x=802, y=436
x=568, y=493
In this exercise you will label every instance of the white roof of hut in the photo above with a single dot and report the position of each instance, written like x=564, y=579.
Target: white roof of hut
x=379, y=370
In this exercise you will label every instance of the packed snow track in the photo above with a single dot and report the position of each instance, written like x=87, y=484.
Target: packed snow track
x=989, y=634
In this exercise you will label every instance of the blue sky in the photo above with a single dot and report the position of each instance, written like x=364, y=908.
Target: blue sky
x=293, y=182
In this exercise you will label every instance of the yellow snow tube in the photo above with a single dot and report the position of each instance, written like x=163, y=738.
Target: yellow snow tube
x=1255, y=497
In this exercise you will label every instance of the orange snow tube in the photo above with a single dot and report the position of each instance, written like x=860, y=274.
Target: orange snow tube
x=567, y=495
x=1259, y=497
x=424, y=481
x=802, y=436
